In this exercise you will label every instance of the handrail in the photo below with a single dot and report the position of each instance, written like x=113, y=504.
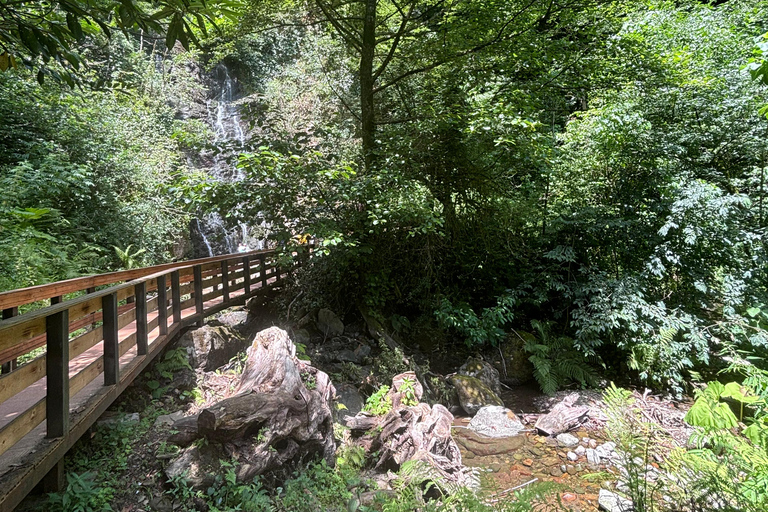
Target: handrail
x=21, y=296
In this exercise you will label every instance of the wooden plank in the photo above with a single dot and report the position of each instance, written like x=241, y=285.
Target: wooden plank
x=24, y=376
x=126, y=318
x=19, y=329
x=189, y=302
x=263, y=270
x=86, y=375
x=22, y=425
x=57, y=374
x=152, y=324
x=45, y=291
x=83, y=342
x=127, y=343
x=212, y=295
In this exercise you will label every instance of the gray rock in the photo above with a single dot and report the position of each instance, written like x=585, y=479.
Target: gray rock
x=211, y=347
x=483, y=371
x=168, y=419
x=473, y=394
x=567, y=440
x=345, y=356
x=329, y=324
x=592, y=456
x=496, y=421
x=301, y=336
x=612, y=502
x=362, y=352
x=580, y=450
x=348, y=395
x=572, y=456
x=233, y=319
x=197, y=466
x=605, y=449
x=110, y=418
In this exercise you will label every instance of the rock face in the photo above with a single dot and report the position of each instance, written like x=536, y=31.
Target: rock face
x=329, y=324
x=483, y=371
x=473, y=394
x=482, y=446
x=211, y=347
x=496, y=421
x=512, y=359
x=280, y=412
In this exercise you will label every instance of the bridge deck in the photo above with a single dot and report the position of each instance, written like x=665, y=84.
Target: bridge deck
x=28, y=456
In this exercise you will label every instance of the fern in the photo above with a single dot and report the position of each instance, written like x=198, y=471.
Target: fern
x=556, y=362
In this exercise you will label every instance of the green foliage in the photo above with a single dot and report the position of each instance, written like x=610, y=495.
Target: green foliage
x=80, y=495
x=556, y=362
x=379, y=403
x=409, y=393
x=487, y=329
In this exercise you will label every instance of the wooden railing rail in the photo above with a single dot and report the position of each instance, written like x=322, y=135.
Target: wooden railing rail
x=145, y=312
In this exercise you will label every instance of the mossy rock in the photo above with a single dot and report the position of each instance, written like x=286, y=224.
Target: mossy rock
x=473, y=394
x=515, y=369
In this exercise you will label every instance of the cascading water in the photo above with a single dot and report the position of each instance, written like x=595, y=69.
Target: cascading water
x=210, y=233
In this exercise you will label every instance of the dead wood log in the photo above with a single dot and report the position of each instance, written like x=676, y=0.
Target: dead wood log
x=281, y=411
x=563, y=417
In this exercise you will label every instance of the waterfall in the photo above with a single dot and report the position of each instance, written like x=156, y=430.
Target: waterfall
x=229, y=139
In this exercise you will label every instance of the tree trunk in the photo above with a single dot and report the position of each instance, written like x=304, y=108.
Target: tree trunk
x=367, y=110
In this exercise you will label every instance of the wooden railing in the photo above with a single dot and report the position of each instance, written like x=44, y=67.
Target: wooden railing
x=142, y=308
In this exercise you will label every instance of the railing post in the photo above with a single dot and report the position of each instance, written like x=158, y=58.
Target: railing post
x=225, y=280
x=162, y=306
x=56, y=300
x=176, y=296
x=10, y=365
x=57, y=374
x=198, y=276
x=263, y=270
x=246, y=274
x=142, y=338
x=111, y=341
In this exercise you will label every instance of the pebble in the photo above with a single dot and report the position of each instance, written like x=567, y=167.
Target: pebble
x=496, y=467
x=580, y=451
x=605, y=450
x=569, y=497
x=528, y=462
x=592, y=456
x=592, y=443
x=567, y=440
x=563, y=468
x=555, y=472
x=571, y=470
x=572, y=456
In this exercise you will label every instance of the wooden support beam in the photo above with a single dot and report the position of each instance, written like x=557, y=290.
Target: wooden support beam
x=247, y=273
x=140, y=292
x=162, y=305
x=54, y=480
x=111, y=340
x=198, y=273
x=263, y=270
x=57, y=374
x=225, y=280
x=9, y=366
x=175, y=297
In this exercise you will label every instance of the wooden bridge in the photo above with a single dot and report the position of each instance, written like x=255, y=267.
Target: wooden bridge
x=95, y=345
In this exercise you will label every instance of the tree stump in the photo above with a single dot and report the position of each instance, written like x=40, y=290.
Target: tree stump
x=280, y=413
x=417, y=432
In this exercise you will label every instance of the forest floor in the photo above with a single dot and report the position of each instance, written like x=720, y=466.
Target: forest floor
x=129, y=444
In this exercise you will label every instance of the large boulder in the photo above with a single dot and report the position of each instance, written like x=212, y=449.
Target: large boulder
x=211, y=347
x=482, y=370
x=496, y=421
x=351, y=399
x=329, y=324
x=473, y=394
x=511, y=359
